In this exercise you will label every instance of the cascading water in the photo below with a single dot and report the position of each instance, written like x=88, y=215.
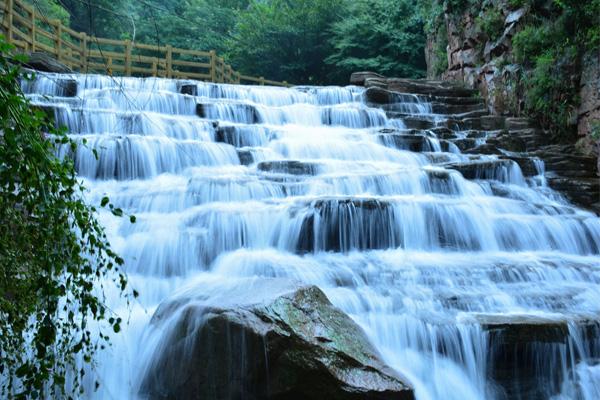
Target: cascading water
x=233, y=182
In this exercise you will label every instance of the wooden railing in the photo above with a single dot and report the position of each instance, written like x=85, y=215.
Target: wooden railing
x=28, y=30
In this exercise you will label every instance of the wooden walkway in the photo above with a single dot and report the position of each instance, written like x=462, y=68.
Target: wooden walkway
x=27, y=30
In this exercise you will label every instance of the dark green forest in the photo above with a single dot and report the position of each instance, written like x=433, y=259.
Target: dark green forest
x=301, y=41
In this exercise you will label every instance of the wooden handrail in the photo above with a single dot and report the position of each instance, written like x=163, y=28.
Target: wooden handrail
x=28, y=30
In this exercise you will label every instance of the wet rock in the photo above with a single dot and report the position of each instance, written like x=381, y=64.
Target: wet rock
x=445, y=108
x=528, y=165
x=417, y=143
x=582, y=191
x=246, y=157
x=189, y=88
x=343, y=224
x=482, y=169
x=465, y=144
x=486, y=148
x=417, y=123
x=487, y=122
x=435, y=88
x=44, y=62
x=275, y=339
x=244, y=113
x=358, y=78
x=379, y=96
x=524, y=352
x=376, y=82
x=289, y=167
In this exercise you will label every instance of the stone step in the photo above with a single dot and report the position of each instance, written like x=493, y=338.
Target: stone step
x=482, y=169
x=416, y=143
x=527, y=353
x=436, y=88
x=453, y=109
x=291, y=167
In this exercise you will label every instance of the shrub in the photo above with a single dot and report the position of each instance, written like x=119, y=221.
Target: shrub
x=491, y=22
x=551, y=98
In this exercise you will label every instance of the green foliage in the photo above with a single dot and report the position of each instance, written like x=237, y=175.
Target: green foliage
x=386, y=36
x=50, y=9
x=552, y=49
x=595, y=134
x=54, y=256
x=102, y=18
x=514, y=4
x=441, y=64
x=551, y=97
x=491, y=22
x=531, y=42
x=193, y=24
x=285, y=39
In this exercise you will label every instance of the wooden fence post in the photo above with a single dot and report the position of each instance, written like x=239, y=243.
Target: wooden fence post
x=128, y=57
x=9, y=28
x=83, y=52
x=58, y=42
x=33, y=29
x=213, y=65
x=222, y=70
x=169, y=61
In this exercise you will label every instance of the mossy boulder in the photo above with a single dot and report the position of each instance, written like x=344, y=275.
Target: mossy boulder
x=275, y=339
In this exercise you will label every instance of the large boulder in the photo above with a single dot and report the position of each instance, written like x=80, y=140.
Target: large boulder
x=44, y=62
x=262, y=339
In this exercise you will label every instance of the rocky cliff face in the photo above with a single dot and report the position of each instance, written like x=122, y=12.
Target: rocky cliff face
x=480, y=53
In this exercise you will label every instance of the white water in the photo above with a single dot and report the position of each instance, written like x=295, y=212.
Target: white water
x=420, y=257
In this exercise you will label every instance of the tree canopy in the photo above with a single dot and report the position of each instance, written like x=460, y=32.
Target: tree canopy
x=301, y=41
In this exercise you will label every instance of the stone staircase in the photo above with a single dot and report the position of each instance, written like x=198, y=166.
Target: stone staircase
x=462, y=119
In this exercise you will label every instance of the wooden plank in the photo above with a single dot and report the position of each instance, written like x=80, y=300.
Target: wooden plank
x=83, y=51
x=192, y=52
x=49, y=35
x=98, y=40
x=10, y=12
x=105, y=54
x=144, y=59
x=22, y=4
x=169, y=60
x=213, y=69
x=33, y=28
x=72, y=32
x=128, y=57
x=70, y=45
x=147, y=71
x=22, y=20
x=58, y=42
x=190, y=64
x=149, y=47
x=45, y=47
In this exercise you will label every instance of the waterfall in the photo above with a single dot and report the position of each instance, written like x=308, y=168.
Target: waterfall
x=431, y=251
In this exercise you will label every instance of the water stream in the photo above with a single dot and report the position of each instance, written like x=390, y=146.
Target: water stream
x=424, y=260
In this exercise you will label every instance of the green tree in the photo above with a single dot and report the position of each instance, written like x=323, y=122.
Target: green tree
x=192, y=24
x=50, y=9
x=285, y=39
x=386, y=36
x=102, y=18
x=54, y=255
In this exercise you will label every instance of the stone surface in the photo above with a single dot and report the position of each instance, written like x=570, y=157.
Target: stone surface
x=358, y=78
x=589, y=109
x=41, y=61
x=289, y=167
x=273, y=340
